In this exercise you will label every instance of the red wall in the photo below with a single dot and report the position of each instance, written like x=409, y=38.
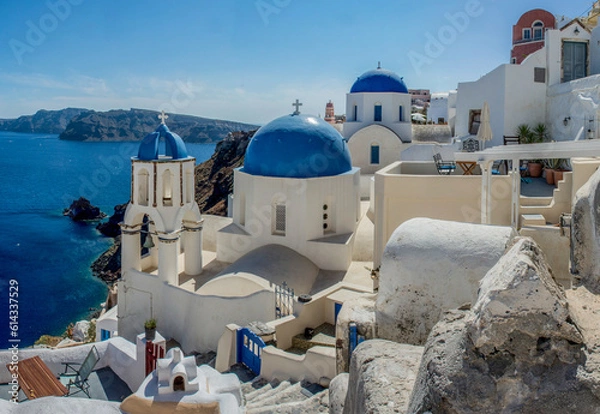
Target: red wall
x=521, y=50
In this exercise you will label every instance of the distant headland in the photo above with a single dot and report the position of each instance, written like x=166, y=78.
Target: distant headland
x=78, y=124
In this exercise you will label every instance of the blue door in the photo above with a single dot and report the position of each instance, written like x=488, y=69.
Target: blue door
x=249, y=349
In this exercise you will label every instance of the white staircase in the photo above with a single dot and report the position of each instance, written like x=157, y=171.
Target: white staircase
x=288, y=397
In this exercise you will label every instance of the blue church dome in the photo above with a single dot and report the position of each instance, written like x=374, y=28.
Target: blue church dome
x=174, y=145
x=297, y=146
x=379, y=80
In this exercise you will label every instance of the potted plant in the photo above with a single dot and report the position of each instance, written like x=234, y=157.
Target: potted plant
x=150, y=328
x=551, y=167
x=528, y=136
x=561, y=167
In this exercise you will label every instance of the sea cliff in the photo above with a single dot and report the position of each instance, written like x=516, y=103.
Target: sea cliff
x=134, y=124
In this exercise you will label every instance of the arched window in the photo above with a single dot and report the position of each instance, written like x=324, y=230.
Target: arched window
x=190, y=181
x=377, y=116
x=400, y=114
x=538, y=30
x=143, y=187
x=167, y=182
x=355, y=113
x=374, y=153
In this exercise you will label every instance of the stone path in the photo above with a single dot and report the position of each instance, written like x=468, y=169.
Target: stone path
x=289, y=397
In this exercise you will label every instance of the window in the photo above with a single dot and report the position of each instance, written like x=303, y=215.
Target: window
x=374, y=154
x=279, y=220
x=513, y=60
x=538, y=30
x=539, y=75
x=104, y=334
x=377, y=117
x=400, y=113
x=143, y=187
x=574, y=60
x=527, y=34
x=355, y=113
x=474, y=121
x=167, y=188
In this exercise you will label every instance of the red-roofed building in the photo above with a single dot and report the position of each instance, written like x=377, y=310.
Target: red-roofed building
x=529, y=33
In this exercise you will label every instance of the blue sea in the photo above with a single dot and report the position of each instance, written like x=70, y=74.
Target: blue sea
x=47, y=254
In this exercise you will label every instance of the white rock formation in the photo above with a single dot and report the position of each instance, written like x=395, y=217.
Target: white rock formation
x=585, y=236
x=80, y=331
x=430, y=266
x=360, y=311
x=382, y=375
x=517, y=351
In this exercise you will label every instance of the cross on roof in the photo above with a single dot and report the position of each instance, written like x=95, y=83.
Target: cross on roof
x=297, y=104
x=163, y=117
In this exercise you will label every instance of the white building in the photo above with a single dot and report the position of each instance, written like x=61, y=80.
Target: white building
x=437, y=112
x=556, y=85
x=378, y=121
x=296, y=208
x=163, y=212
x=297, y=189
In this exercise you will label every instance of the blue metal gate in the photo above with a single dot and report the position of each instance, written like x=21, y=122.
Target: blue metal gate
x=249, y=349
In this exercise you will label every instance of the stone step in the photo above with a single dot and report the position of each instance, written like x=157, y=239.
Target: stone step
x=261, y=396
x=319, y=403
x=255, y=385
x=259, y=391
x=290, y=394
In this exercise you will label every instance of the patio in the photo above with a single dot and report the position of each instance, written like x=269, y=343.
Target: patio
x=105, y=385
x=537, y=187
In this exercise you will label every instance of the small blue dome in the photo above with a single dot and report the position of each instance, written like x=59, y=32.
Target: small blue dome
x=297, y=146
x=379, y=80
x=174, y=148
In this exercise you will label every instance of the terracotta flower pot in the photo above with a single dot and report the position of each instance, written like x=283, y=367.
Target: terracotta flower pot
x=558, y=175
x=549, y=176
x=535, y=169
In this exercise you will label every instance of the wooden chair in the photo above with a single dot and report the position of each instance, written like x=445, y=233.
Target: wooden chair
x=79, y=377
x=511, y=140
x=443, y=167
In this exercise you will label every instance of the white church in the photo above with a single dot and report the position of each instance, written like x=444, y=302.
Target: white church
x=378, y=111
x=296, y=210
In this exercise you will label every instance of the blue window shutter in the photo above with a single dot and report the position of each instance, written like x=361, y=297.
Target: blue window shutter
x=377, y=117
x=374, y=154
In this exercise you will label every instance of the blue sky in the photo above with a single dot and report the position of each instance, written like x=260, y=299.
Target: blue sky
x=244, y=60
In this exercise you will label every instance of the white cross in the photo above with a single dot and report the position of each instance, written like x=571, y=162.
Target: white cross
x=162, y=116
x=297, y=104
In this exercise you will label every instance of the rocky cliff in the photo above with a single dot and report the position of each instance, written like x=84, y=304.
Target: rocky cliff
x=214, y=177
x=135, y=124
x=43, y=121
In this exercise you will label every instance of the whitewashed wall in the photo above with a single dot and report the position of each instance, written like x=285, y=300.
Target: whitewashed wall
x=390, y=103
